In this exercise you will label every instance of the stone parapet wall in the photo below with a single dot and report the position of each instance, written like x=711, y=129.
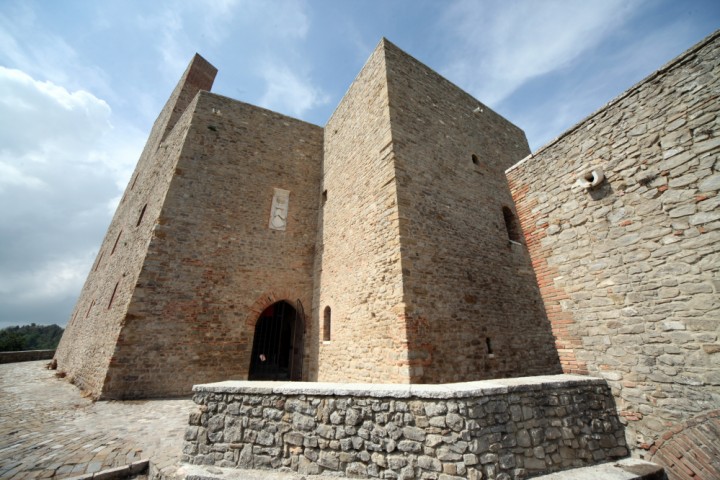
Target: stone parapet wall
x=511, y=428
x=26, y=356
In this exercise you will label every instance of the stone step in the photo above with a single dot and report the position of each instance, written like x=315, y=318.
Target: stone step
x=201, y=472
x=627, y=469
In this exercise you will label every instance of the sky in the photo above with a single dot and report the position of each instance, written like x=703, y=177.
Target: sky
x=81, y=83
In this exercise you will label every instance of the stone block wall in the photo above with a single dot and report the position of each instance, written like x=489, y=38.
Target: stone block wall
x=414, y=263
x=514, y=428
x=472, y=306
x=213, y=264
x=358, y=275
x=630, y=271
x=89, y=340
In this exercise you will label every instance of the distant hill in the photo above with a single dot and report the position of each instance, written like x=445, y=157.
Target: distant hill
x=30, y=337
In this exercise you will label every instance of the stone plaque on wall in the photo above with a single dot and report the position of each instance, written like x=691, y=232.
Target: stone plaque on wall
x=278, y=212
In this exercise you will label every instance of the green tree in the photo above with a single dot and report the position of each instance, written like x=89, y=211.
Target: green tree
x=10, y=341
x=30, y=337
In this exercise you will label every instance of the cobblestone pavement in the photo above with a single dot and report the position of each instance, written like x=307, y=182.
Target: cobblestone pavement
x=48, y=430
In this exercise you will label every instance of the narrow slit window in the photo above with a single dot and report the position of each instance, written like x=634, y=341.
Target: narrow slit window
x=112, y=297
x=116, y=243
x=488, y=344
x=142, y=214
x=326, y=324
x=475, y=159
x=324, y=197
x=87, y=314
x=97, y=264
x=511, y=225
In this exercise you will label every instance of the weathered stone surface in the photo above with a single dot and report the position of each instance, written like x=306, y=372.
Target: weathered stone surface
x=568, y=418
x=384, y=203
x=640, y=322
x=619, y=280
x=429, y=463
x=710, y=184
x=414, y=433
x=356, y=216
x=454, y=421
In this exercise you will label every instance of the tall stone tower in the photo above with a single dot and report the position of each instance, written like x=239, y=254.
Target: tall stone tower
x=420, y=263
x=92, y=334
x=189, y=263
x=250, y=245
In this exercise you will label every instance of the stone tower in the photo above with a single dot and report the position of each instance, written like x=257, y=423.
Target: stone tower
x=415, y=264
x=92, y=334
x=250, y=245
x=189, y=262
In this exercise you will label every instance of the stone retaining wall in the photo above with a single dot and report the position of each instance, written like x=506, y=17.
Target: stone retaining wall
x=26, y=356
x=511, y=428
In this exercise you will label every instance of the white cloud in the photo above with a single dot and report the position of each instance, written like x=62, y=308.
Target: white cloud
x=48, y=127
x=37, y=51
x=623, y=60
x=172, y=46
x=501, y=46
x=61, y=164
x=204, y=25
x=42, y=116
x=288, y=91
x=53, y=280
x=10, y=175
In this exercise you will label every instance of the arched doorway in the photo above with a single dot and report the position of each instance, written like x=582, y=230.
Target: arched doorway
x=277, y=352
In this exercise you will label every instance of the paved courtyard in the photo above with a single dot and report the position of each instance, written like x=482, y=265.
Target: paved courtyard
x=48, y=429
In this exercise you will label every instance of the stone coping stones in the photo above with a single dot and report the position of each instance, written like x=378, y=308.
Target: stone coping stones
x=394, y=390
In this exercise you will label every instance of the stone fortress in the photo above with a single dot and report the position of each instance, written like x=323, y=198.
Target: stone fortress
x=415, y=240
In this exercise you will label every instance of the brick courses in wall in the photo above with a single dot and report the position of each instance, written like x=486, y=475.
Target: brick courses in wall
x=629, y=270
x=690, y=449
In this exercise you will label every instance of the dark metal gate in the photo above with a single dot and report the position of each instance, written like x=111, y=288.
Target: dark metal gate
x=278, y=343
x=298, y=346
